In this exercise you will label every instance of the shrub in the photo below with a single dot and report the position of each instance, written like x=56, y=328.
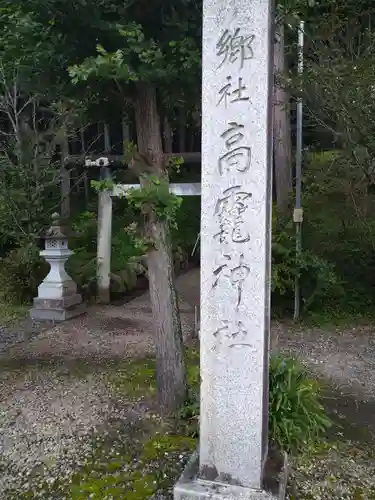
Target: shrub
x=189, y=413
x=296, y=416
x=21, y=272
x=319, y=282
x=338, y=239
x=128, y=259
x=338, y=227
x=126, y=256
x=29, y=187
x=185, y=234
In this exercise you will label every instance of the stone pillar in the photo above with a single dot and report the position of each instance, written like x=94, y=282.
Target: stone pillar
x=57, y=299
x=235, y=252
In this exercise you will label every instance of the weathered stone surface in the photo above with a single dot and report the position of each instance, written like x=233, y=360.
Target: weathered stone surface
x=190, y=487
x=57, y=299
x=235, y=241
x=57, y=314
x=63, y=303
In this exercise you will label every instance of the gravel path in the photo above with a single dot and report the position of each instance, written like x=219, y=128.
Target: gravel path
x=345, y=357
x=50, y=417
x=54, y=389
x=21, y=332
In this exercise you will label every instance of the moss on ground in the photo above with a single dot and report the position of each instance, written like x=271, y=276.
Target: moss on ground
x=138, y=459
x=10, y=313
x=132, y=460
x=133, y=378
x=136, y=378
x=134, y=464
x=156, y=448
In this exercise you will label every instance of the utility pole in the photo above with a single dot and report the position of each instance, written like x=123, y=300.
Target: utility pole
x=298, y=211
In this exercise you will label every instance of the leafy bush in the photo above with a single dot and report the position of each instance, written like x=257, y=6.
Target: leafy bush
x=189, y=413
x=319, y=282
x=126, y=258
x=338, y=239
x=187, y=228
x=28, y=193
x=339, y=225
x=21, y=272
x=296, y=416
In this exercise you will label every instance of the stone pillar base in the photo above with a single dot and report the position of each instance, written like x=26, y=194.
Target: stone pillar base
x=57, y=309
x=190, y=487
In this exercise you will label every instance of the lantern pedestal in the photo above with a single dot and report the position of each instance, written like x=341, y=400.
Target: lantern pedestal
x=57, y=299
x=50, y=310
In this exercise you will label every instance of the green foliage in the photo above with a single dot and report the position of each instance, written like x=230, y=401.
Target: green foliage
x=126, y=260
x=187, y=227
x=296, y=416
x=343, y=82
x=339, y=228
x=154, y=196
x=156, y=448
x=103, y=185
x=174, y=163
x=189, y=412
x=25, y=194
x=143, y=54
x=21, y=272
x=130, y=150
x=318, y=279
x=338, y=241
x=119, y=44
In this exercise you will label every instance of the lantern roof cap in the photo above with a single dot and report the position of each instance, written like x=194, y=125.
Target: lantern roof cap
x=56, y=231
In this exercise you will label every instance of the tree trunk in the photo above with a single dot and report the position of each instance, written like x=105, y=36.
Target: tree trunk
x=170, y=366
x=85, y=178
x=65, y=178
x=125, y=132
x=168, y=137
x=282, y=133
x=181, y=130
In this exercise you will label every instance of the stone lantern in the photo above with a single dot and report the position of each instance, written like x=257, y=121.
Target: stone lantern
x=57, y=299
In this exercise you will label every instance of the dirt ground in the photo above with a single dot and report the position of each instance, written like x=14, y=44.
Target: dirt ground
x=47, y=410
